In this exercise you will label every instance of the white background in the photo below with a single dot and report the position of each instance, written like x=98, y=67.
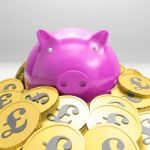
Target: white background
x=127, y=20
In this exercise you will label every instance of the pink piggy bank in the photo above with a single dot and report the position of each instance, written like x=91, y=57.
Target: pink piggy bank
x=75, y=61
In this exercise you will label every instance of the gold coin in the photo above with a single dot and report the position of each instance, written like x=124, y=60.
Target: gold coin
x=141, y=145
x=70, y=110
x=20, y=74
x=108, y=137
x=19, y=148
x=145, y=122
x=58, y=136
x=144, y=109
x=131, y=71
x=44, y=97
x=84, y=130
x=9, y=97
x=88, y=104
x=18, y=122
x=11, y=84
x=136, y=84
x=138, y=102
x=108, y=99
x=122, y=68
x=123, y=119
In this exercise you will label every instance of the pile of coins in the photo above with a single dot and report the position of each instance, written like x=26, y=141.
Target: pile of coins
x=41, y=119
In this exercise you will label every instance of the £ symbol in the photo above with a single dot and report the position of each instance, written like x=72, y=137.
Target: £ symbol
x=52, y=144
x=119, y=103
x=8, y=95
x=13, y=86
x=41, y=98
x=63, y=112
x=106, y=144
x=112, y=119
x=146, y=131
x=12, y=123
x=138, y=82
x=131, y=97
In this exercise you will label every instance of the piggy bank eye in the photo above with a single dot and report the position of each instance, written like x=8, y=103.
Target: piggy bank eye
x=95, y=48
x=50, y=50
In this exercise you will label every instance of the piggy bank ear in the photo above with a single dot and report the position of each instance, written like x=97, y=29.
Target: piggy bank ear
x=101, y=37
x=44, y=38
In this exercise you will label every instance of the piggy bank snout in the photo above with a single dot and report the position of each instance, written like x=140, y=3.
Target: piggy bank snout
x=72, y=82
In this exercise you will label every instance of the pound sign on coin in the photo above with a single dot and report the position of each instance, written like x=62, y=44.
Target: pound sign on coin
x=138, y=82
x=42, y=98
x=106, y=144
x=63, y=112
x=112, y=119
x=131, y=97
x=119, y=103
x=13, y=86
x=146, y=131
x=2, y=100
x=52, y=144
x=12, y=123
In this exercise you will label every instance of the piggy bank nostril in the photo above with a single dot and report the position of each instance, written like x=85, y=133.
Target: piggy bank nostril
x=63, y=83
x=82, y=83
